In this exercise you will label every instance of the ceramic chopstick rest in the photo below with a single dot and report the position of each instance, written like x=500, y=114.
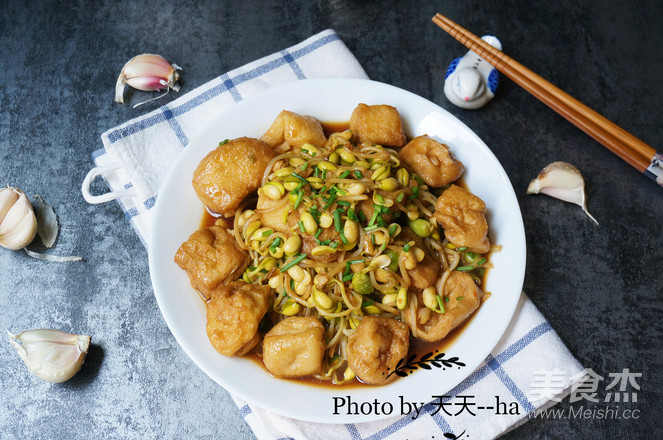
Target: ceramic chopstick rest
x=470, y=81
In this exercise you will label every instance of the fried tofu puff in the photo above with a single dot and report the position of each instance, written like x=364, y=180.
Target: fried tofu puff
x=273, y=212
x=210, y=257
x=463, y=217
x=432, y=161
x=234, y=312
x=231, y=172
x=375, y=348
x=425, y=272
x=293, y=130
x=294, y=347
x=461, y=298
x=378, y=124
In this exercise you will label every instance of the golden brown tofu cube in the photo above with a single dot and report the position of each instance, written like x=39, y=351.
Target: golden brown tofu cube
x=211, y=256
x=375, y=348
x=425, y=272
x=272, y=213
x=231, y=172
x=233, y=315
x=462, y=298
x=432, y=161
x=294, y=347
x=378, y=124
x=463, y=217
x=293, y=130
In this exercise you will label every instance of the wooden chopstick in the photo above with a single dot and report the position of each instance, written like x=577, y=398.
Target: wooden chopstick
x=616, y=139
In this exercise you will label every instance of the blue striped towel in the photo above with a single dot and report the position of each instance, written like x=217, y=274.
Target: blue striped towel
x=135, y=159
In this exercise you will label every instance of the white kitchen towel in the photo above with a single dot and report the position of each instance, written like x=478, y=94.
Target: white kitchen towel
x=528, y=370
x=137, y=154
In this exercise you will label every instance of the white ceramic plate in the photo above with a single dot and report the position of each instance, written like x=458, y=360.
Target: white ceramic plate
x=178, y=213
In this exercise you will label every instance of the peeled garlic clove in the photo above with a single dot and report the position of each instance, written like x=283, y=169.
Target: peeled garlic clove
x=147, y=72
x=563, y=181
x=18, y=224
x=51, y=355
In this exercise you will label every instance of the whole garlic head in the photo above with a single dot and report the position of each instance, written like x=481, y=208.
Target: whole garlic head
x=51, y=355
x=18, y=224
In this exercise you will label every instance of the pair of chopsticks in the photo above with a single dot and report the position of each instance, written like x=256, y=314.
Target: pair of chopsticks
x=616, y=139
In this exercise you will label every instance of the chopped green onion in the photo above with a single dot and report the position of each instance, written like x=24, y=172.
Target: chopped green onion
x=267, y=232
x=304, y=166
x=300, y=197
x=315, y=213
x=358, y=174
x=301, y=226
x=406, y=248
x=295, y=261
x=352, y=216
x=333, y=244
x=480, y=262
x=337, y=190
x=465, y=268
x=324, y=176
x=459, y=298
x=275, y=244
x=347, y=277
x=376, y=212
x=462, y=249
x=392, y=229
x=344, y=174
x=317, y=234
x=223, y=142
x=400, y=197
x=337, y=220
x=330, y=201
x=440, y=303
x=304, y=181
x=415, y=193
x=343, y=203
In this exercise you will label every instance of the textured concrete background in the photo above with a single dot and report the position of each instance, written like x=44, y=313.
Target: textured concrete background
x=600, y=287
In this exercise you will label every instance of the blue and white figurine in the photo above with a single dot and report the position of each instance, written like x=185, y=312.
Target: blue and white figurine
x=470, y=81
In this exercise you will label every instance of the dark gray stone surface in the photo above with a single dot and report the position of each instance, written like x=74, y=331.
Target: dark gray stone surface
x=599, y=286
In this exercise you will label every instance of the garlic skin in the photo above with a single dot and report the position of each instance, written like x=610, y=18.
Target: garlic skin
x=147, y=72
x=563, y=181
x=18, y=223
x=51, y=355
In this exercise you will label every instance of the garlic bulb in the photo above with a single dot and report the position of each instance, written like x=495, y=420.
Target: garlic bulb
x=563, y=181
x=51, y=355
x=18, y=224
x=147, y=72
